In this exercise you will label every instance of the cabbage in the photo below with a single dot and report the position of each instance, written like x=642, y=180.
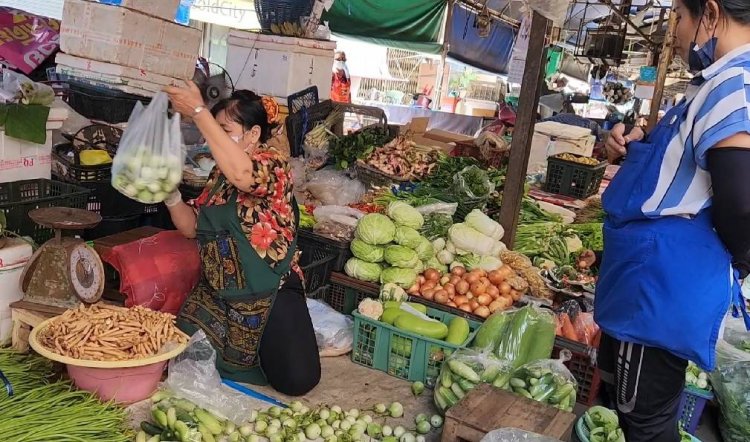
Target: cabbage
x=424, y=249
x=401, y=256
x=438, y=244
x=404, y=278
x=366, y=252
x=437, y=265
x=407, y=237
x=484, y=225
x=490, y=263
x=467, y=239
x=470, y=261
x=364, y=271
x=405, y=215
x=419, y=267
x=445, y=257
x=375, y=229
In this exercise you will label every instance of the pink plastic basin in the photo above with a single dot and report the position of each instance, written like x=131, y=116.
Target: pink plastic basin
x=122, y=385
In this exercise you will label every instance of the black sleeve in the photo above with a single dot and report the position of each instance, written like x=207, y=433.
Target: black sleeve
x=729, y=169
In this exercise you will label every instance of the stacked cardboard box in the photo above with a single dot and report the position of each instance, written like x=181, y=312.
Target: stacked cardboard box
x=133, y=47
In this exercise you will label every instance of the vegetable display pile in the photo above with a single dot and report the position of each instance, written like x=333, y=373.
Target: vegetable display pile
x=695, y=377
x=478, y=291
x=346, y=150
x=558, y=243
x=510, y=351
x=403, y=159
x=586, y=161
x=102, y=332
x=177, y=419
x=146, y=177
x=42, y=410
x=389, y=248
x=603, y=425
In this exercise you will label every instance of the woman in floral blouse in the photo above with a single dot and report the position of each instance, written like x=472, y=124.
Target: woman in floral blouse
x=250, y=301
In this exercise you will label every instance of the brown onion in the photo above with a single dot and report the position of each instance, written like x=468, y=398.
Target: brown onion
x=458, y=271
x=482, y=312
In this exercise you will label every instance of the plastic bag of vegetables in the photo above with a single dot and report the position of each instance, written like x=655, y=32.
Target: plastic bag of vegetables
x=519, y=336
x=731, y=381
x=149, y=159
x=547, y=381
x=463, y=371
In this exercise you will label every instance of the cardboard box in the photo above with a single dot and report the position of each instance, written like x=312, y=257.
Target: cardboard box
x=22, y=160
x=163, y=9
x=441, y=139
x=120, y=36
x=124, y=78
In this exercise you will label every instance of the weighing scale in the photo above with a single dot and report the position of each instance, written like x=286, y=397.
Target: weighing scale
x=65, y=270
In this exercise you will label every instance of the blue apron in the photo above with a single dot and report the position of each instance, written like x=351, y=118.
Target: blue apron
x=664, y=282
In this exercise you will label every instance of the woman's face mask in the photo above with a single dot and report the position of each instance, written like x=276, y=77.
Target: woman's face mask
x=702, y=56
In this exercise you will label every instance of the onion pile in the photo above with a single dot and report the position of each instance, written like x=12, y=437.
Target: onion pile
x=478, y=291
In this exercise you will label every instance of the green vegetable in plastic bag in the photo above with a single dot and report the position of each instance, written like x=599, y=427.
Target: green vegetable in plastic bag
x=473, y=182
x=529, y=336
x=731, y=382
x=547, y=381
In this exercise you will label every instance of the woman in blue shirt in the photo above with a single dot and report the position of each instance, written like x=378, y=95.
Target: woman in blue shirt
x=676, y=236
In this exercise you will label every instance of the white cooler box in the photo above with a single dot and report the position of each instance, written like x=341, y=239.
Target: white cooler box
x=13, y=258
x=279, y=66
x=22, y=160
x=552, y=138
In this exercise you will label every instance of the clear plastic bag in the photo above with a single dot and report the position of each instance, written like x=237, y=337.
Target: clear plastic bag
x=338, y=222
x=515, y=435
x=333, y=187
x=17, y=88
x=439, y=208
x=473, y=182
x=528, y=335
x=333, y=331
x=731, y=381
x=548, y=381
x=193, y=376
x=149, y=159
x=463, y=371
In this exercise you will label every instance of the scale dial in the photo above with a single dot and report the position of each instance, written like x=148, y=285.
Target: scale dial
x=86, y=273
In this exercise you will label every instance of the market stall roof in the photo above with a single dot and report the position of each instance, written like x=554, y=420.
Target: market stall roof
x=406, y=24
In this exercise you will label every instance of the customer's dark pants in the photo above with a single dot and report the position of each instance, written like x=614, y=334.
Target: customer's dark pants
x=288, y=349
x=645, y=385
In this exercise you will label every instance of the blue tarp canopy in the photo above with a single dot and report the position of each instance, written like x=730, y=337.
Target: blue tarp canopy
x=491, y=53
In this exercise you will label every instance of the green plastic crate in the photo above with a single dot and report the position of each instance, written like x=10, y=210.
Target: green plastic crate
x=414, y=358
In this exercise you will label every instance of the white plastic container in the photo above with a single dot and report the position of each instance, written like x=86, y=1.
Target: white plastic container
x=279, y=66
x=22, y=160
x=13, y=258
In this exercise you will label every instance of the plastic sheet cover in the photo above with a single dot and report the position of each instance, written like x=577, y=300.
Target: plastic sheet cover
x=491, y=53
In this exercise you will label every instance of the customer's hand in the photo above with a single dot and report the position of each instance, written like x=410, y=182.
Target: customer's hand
x=185, y=98
x=617, y=141
x=586, y=260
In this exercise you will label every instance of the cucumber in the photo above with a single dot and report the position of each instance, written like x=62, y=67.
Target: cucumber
x=456, y=389
x=422, y=327
x=445, y=379
x=458, y=331
x=502, y=380
x=150, y=428
x=154, y=438
x=464, y=371
x=440, y=401
x=211, y=423
x=449, y=396
x=523, y=392
x=171, y=417
x=466, y=385
x=141, y=436
x=517, y=383
x=160, y=417
x=490, y=374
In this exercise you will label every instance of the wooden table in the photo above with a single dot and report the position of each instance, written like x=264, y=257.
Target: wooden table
x=487, y=408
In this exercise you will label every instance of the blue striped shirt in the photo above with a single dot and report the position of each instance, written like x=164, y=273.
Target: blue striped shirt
x=717, y=107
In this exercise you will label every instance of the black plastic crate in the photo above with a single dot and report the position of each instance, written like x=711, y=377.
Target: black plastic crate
x=573, y=179
x=109, y=203
x=102, y=104
x=111, y=226
x=311, y=243
x=281, y=11
x=18, y=198
x=344, y=293
x=305, y=98
x=302, y=122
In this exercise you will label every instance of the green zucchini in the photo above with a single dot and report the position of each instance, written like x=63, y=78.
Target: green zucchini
x=458, y=331
x=150, y=428
x=422, y=327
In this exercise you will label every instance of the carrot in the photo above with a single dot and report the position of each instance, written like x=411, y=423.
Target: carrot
x=558, y=326
x=597, y=339
x=568, y=331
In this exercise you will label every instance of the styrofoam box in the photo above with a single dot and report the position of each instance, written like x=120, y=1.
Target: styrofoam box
x=13, y=258
x=120, y=36
x=164, y=9
x=124, y=78
x=279, y=66
x=22, y=160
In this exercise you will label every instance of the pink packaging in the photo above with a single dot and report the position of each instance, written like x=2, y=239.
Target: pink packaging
x=122, y=385
x=26, y=40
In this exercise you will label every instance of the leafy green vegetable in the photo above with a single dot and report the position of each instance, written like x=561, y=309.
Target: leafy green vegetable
x=401, y=256
x=424, y=249
x=375, y=229
x=405, y=215
x=364, y=271
x=474, y=182
x=436, y=225
x=407, y=237
x=346, y=150
x=404, y=278
x=367, y=252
